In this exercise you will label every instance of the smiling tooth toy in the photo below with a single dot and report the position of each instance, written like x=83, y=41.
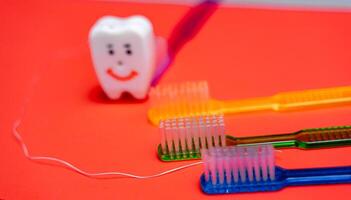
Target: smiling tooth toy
x=123, y=55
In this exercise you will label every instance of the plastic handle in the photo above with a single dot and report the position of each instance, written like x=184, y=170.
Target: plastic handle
x=312, y=98
x=324, y=137
x=191, y=24
x=306, y=139
x=246, y=105
x=186, y=29
x=316, y=176
x=290, y=100
x=278, y=141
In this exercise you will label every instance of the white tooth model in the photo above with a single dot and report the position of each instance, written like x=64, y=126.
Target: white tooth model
x=123, y=53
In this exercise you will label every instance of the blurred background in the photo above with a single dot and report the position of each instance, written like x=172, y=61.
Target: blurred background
x=246, y=49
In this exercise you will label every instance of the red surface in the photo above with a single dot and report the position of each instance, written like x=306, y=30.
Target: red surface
x=241, y=52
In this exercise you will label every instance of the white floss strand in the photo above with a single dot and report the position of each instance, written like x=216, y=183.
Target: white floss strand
x=64, y=163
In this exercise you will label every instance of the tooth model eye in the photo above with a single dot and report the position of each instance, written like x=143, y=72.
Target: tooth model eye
x=111, y=52
x=129, y=52
x=110, y=49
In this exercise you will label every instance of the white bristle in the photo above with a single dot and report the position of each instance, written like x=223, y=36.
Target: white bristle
x=181, y=133
x=241, y=163
x=249, y=167
x=190, y=134
x=235, y=164
x=212, y=170
x=227, y=168
x=255, y=162
x=221, y=128
x=175, y=137
x=209, y=133
x=220, y=169
x=263, y=164
x=271, y=163
x=163, y=136
x=206, y=166
x=167, y=134
x=187, y=133
x=195, y=130
x=215, y=131
x=203, y=131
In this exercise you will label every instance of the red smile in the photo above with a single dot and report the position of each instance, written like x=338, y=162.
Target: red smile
x=130, y=76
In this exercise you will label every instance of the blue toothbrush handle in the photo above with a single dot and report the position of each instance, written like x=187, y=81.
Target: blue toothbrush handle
x=317, y=176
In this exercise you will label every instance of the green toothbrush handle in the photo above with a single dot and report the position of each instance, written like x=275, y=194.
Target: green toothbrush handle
x=278, y=141
x=324, y=137
x=306, y=139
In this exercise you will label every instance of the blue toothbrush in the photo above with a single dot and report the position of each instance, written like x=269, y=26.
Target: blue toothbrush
x=252, y=169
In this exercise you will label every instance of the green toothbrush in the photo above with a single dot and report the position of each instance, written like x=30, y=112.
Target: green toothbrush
x=182, y=138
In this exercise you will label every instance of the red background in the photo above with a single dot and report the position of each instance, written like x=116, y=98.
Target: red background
x=242, y=53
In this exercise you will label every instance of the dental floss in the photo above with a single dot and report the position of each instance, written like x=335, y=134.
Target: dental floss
x=112, y=174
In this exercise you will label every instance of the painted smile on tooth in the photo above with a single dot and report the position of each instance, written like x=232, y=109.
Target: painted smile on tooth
x=130, y=76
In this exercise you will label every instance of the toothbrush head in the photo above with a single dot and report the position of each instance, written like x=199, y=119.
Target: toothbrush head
x=240, y=169
x=182, y=138
x=180, y=100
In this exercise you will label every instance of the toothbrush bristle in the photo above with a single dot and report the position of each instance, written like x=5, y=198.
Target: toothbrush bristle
x=178, y=100
x=235, y=166
x=182, y=138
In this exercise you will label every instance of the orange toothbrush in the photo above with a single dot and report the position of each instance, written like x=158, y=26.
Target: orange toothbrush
x=193, y=99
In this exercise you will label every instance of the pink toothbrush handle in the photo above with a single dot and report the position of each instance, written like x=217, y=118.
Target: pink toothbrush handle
x=185, y=30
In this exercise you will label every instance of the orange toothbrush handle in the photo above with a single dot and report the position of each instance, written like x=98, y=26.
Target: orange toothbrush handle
x=313, y=98
x=245, y=105
x=290, y=100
